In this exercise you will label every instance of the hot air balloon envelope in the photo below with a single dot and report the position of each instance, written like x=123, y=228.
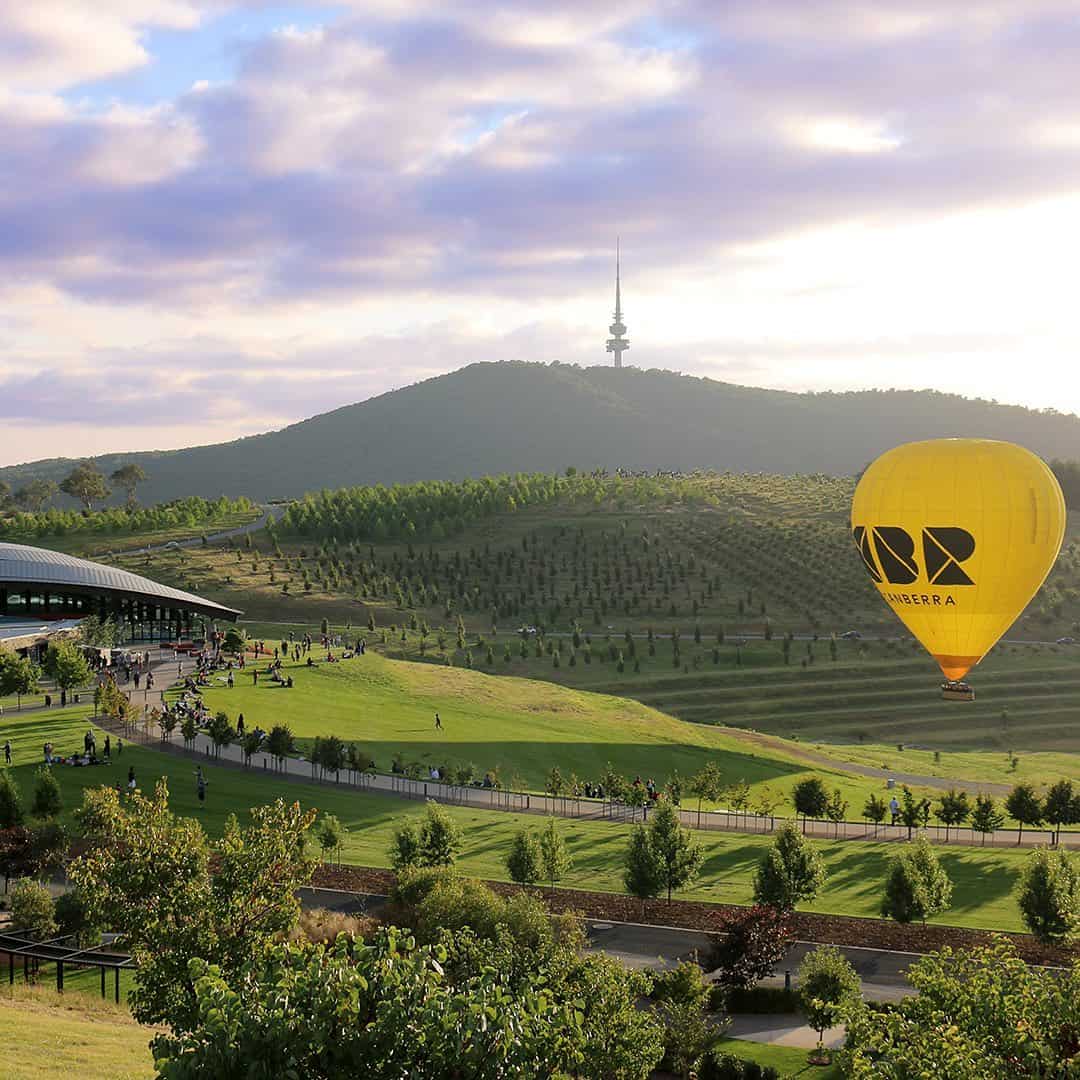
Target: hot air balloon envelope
x=958, y=535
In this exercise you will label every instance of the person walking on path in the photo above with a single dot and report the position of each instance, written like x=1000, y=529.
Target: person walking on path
x=200, y=783
x=7, y=752
x=894, y=809
x=438, y=723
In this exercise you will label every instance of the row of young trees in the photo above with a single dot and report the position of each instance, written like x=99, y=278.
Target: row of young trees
x=192, y=513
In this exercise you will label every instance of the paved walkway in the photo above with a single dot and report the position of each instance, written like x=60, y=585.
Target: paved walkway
x=299, y=769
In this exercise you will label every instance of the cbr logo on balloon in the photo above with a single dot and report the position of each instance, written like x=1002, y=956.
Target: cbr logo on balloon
x=888, y=552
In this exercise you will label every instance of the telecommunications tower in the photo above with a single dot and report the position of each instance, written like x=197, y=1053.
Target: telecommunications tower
x=617, y=343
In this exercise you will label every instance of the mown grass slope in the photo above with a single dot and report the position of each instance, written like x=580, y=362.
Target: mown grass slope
x=984, y=878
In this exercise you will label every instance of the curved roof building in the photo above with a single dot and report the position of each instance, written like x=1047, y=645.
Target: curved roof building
x=40, y=584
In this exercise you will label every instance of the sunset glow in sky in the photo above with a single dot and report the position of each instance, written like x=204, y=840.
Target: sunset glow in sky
x=219, y=217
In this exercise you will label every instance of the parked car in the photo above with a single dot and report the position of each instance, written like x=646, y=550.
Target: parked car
x=1066, y=641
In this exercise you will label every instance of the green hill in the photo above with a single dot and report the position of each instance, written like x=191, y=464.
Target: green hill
x=507, y=417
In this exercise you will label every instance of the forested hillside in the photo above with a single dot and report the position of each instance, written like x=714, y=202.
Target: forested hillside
x=516, y=417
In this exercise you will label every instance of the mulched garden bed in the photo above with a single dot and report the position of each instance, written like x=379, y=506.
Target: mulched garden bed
x=699, y=915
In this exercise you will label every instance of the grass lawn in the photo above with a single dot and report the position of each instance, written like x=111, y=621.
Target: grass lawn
x=788, y=1061
x=522, y=726
x=984, y=879
x=46, y=1035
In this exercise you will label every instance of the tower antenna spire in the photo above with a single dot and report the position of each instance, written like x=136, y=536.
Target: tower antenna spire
x=618, y=343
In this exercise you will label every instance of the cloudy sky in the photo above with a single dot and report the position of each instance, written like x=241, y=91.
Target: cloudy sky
x=217, y=217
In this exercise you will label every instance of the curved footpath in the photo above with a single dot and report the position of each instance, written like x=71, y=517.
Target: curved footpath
x=299, y=769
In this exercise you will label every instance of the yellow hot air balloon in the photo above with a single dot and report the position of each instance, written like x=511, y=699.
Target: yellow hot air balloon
x=958, y=535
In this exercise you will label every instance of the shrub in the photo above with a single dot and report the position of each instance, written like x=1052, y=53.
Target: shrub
x=413, y=885
x=32, y=910
x=48, y=801
x=681, y=984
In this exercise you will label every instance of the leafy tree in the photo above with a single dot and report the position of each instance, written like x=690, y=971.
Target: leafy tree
x=523, y=861
x=642, y=873
x=1049, y=896
x=147, y=874
x=49, y=843
x=979, y=1014
x=555, y=785
x=810, y=798
x=917, y=886
x=35, y=494
x=790, y=872
x=555, y=860
x=72, y=919
x=828, y=987
x=953, y=809
x=1024, y=806
x=221, y=732
x=678, y=854
x=18, y=675
x=47, y=801
x=986, y=817
x=875, y=810
x=86, y=484
x=16, y=853
x=280, y=743
x=473, y=1008
x=912, y=810
x=751, y=942
x=331, y=834
x=836, y=809
x=65, y=664
x=97, y=633
x=11, y=807
x=1060, y=807
x=405, y=848
x=249, y=745
x=439, y=836
x=128, y=478
x=32, y=910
